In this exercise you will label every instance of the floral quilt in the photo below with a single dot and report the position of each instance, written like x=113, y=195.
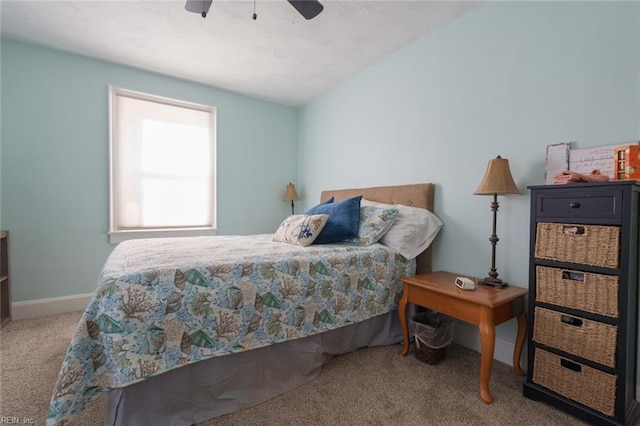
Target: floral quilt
x=164, y=303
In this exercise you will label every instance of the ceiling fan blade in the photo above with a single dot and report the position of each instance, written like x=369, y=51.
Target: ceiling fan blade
x=307, y=8
x=198, y=6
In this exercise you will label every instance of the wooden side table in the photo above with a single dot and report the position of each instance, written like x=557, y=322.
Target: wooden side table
x=485, y=307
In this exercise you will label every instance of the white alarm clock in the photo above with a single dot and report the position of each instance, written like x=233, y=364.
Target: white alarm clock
x=465, y=283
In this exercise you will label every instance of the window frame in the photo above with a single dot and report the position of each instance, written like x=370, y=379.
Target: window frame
x=117, y=235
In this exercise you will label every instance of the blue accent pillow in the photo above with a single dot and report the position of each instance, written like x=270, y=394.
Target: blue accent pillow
x=344, y=220
x=328, y=201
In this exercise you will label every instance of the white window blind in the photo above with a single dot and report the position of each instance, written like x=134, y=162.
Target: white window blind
x=162, y=166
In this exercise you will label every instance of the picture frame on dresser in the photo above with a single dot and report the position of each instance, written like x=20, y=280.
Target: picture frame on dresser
x=583, y=300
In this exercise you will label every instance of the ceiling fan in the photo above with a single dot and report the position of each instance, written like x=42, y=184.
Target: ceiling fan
x=307, y=8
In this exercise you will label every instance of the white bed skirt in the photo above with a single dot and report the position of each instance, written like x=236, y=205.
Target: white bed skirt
x=222, y=385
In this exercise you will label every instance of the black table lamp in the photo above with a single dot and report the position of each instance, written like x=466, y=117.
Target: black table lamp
x=497, y=181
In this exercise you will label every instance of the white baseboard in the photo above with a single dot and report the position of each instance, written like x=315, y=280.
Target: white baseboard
x=468, y=335
x=50, y=306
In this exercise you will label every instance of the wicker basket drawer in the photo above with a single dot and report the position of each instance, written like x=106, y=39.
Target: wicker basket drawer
x=593, y=245
x=595, y=293
x=588, y=386
x=588, y=339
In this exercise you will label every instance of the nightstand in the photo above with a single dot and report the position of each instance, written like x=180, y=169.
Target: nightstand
x=485, y=307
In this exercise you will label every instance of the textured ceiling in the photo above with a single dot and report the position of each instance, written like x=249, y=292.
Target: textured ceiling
x=279, y=57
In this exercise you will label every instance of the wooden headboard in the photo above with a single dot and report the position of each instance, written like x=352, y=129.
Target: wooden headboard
x=415, y=195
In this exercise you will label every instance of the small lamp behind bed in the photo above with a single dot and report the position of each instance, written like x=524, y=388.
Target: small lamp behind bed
x=291, y=195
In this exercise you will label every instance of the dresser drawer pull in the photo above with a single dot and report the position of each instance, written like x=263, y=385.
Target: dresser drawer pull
x=571, y=321
x=573, y=276
x=574, y=205
x=570, y=365
x=573, y=230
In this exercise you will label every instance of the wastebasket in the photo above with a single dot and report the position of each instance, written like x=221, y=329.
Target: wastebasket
x=433, y=333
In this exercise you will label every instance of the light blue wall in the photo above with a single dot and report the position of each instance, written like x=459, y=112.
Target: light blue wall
x=507, y=78
x=54, y=170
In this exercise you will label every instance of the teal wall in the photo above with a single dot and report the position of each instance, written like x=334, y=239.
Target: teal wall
x=506, y=78
x=54, y=164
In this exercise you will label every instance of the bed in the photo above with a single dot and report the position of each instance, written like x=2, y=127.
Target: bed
x=176, y=338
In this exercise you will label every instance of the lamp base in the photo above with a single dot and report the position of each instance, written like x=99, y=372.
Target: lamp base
x=493, y=282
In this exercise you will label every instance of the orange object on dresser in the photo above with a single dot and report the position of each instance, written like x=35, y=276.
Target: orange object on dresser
x=627, y=163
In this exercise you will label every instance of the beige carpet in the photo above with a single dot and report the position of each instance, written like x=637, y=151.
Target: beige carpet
x=373, y=386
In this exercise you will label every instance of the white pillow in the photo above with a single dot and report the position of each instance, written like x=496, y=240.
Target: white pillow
x=300, y=229
x=413, y=230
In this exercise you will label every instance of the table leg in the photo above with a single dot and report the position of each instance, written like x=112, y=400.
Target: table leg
x=487, y=347
x=402, y=313
x=517, y=350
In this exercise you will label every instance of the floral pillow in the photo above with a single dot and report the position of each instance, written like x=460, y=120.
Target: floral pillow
x=374, y=223
x=301, y=229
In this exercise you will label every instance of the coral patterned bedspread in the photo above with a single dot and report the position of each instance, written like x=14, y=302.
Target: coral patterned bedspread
x=164, y=303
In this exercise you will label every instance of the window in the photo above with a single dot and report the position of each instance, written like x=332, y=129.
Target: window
x=162, y=165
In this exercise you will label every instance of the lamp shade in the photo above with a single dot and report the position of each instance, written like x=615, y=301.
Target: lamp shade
x=497, y=179
x=290, y=194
